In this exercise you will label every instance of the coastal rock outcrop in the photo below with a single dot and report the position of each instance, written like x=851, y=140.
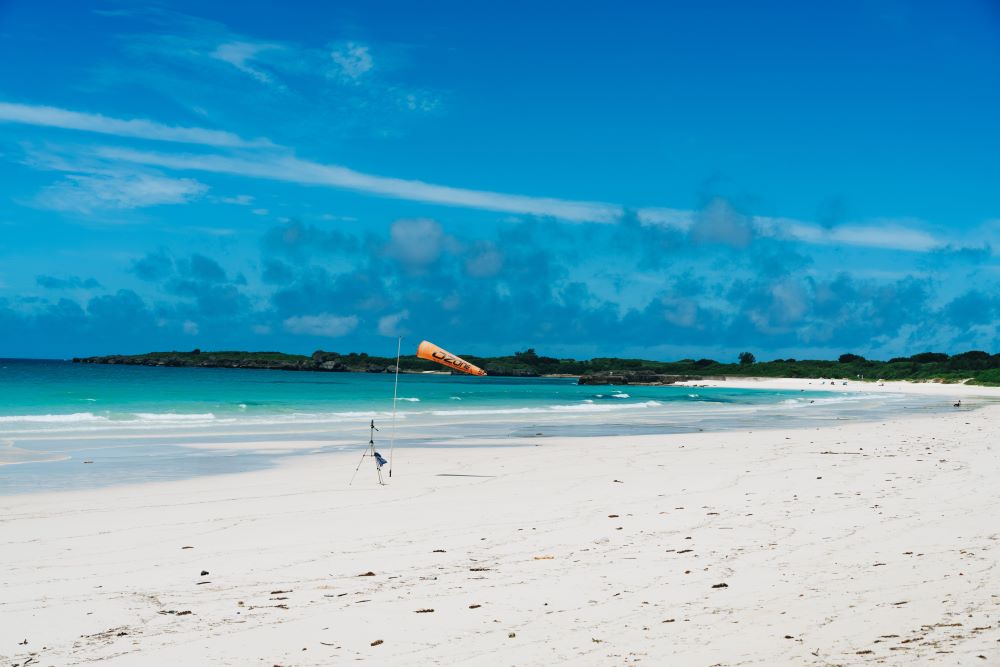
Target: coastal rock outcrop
x=506, y=371
x=633, y=377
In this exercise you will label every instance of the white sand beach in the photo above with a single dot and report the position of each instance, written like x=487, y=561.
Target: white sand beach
x=854, y=543
x=955, y=390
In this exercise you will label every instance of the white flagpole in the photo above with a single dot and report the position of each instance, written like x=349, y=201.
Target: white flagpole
x=395, y=386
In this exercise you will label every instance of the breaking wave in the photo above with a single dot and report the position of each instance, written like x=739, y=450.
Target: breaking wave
x=576, y=407
x=54, y=419
x=173, y=417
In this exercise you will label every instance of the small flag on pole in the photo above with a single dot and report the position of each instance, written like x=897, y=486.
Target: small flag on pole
x=379, y=461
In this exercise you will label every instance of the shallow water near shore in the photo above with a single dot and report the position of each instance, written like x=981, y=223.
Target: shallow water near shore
x=65, y=425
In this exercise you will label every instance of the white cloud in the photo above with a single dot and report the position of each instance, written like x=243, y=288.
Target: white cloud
x=280, y=165
x=138, y=128
x=190, y=328
x=680, y=312
x=420, y=102
x=291, y=169
x=887, y=234
x=389, y=324
x=485, y=261
x=353, y=60
x=666, y=217
x=328, y=325
x=220, y=232
x=720, y=222
x=86, y=193
x=416, y=242
x=238, y=54
x=238, y=200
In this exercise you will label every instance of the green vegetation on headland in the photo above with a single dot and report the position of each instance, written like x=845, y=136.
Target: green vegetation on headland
x=975, y=367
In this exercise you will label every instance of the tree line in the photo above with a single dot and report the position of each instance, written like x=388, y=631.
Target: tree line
x=975, y=366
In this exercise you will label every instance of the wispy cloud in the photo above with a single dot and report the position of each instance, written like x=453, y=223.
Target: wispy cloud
x=326, y=325
x=240, y=55
x=390, y=325
x=717, y=223
x=137, y=128
x=238, y=200
x=291, y=169
x=89, y=193
x=888, y=234
x=353, y=60
x=341, y=84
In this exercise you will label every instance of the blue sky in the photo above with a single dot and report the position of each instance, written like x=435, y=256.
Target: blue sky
x=646, y=179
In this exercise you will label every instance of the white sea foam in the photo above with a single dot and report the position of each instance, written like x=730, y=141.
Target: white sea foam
x=324, y=417
x=605, y=407
x=172, y=423
x=576, y=407
x=620, y=395
x=353, y=415
x=173, y=417
x=411, y=400
x=54, y=419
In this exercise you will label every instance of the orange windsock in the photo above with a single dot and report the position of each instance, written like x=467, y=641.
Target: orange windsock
x=432, y=352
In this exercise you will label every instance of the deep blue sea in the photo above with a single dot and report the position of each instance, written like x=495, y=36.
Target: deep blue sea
x=136, y=424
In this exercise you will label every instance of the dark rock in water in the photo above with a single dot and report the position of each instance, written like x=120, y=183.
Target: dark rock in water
x=204, y=573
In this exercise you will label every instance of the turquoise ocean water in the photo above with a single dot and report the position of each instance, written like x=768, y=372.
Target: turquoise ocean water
x=136, y=424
